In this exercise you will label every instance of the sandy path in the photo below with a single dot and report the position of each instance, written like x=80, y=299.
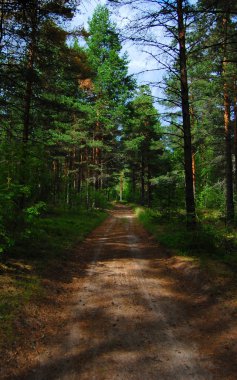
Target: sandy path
x=127, y=319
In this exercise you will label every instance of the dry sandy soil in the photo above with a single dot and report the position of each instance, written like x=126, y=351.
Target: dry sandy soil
x=123, y=308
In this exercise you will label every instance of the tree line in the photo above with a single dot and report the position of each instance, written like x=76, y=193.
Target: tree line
x=66, y=97
x=198, y=52
x=77, y=130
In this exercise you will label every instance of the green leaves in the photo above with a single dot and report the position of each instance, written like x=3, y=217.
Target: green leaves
x=34, y=211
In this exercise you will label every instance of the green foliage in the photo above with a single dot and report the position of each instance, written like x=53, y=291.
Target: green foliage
x=54, y=235
x=52, y=239
x=169, y=191
x=212, y=197
x=101, y=200
x=210, y=240
x=16, y=221
x=34, y=211
x=71, y=101
x=88, y=122
x=11, y=217
x=141, y=137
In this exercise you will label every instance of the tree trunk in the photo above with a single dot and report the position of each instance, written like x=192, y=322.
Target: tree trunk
x=235, y=135
x=2, y=22
x=27, y=100
x=142, y=181
x=87, y=177
x=27, y=106
x=228, y=155
x=149, y=192
x=189, y=191
x=194, y=172
x=227, y=126
x=54, y=179
x=30, y=75
x=133, y=183
x=192, y=121
x=121, y=187
x=79, y=173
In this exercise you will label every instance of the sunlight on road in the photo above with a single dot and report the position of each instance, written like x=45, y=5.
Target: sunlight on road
x=128, y=319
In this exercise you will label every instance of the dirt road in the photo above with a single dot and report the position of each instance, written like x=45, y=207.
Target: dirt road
x=128, y=320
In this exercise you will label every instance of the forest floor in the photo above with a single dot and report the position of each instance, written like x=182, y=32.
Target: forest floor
x=122, y=307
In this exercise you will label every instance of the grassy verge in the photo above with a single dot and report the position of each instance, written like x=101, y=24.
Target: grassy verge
x=212, y=247
x=50, y=241
x=212, y=244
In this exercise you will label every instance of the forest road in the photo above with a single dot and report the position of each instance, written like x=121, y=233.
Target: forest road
x=128, y=318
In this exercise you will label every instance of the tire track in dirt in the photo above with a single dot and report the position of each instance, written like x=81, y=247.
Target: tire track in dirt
x=127, y=320
x=181, y=358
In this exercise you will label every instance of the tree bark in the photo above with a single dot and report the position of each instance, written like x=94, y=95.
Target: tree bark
x=142, y=180
x=227, y=126
x=133, y=182
x=194, y=172
x=192, y=121
x=149, y=191
x=189, y=191
x=235, y=133
x=121, y=187
x=2, y=22
x=30, y=74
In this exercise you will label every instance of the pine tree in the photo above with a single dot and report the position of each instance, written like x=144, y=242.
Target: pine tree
x=173, y=16
x=141, y=138
x=111, y=89
x=222, y=40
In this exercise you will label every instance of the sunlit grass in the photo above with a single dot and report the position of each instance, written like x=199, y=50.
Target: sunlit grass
x=213, y=246
x=212, y=239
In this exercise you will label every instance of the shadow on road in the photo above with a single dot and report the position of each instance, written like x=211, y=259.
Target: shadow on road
x=135, y=315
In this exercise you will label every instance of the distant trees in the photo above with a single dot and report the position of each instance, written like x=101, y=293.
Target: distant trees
x=62, y=106
x=197, y=50
x=141, y=138
x=110, y=91
x=74, y=124
x=216, y=49
x=34, y=61
x=172, y=17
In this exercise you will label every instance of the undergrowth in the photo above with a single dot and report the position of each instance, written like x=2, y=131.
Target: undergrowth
x=50, y=240
x=211, y=240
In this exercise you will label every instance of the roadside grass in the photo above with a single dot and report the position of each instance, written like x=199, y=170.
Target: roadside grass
x=213, y=244
x=54, y=234
x=212, y=248
x=49, y=241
